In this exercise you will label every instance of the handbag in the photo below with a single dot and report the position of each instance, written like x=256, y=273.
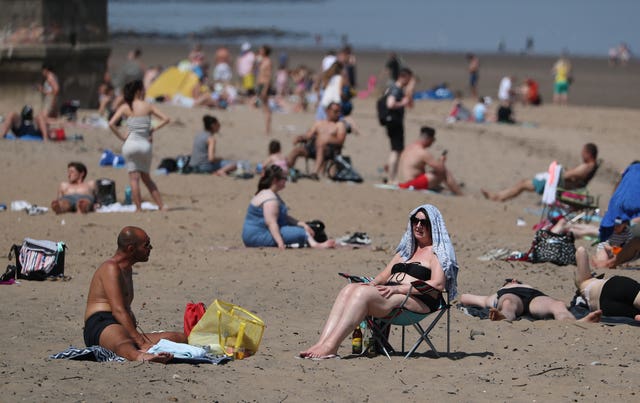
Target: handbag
x=38, y=259
x=548, y=246
x=228, y=329
x=318, y=230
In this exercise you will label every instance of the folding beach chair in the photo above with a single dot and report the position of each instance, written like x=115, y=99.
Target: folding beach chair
x=403, y=317
x=574, y=205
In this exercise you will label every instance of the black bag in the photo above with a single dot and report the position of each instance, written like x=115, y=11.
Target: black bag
x=381, y=107
x=106, y=189
x=170, y=164
x=37, y=260
x=318, y=229
x=548, y=246
x=340, y=170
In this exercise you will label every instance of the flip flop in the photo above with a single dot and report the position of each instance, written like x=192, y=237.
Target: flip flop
x=324, y=357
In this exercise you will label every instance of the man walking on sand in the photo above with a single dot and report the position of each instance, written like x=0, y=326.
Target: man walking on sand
x=515, y=299
x=108, y=319
x=75, y=195
x=265, y=69
x=416, y=158
x=397, y=99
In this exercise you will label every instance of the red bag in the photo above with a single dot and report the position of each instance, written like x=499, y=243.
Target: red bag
x=192, y=314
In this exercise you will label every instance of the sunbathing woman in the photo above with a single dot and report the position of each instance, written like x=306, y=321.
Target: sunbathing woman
x=424, y=253
x=267, y=222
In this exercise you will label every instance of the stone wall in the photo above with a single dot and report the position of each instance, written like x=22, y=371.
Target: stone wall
x=69, y=35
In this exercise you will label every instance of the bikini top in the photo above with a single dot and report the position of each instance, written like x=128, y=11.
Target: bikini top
x=414, y=269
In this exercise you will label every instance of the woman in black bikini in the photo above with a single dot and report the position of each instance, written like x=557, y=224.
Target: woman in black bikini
x=389, y=288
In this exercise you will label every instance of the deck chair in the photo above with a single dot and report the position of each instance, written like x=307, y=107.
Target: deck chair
x=573, y=203
x=380, y=327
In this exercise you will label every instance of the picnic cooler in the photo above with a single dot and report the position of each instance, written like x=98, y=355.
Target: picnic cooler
x=229, y=329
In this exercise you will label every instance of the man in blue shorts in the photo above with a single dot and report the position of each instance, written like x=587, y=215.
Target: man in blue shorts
x=570, y=179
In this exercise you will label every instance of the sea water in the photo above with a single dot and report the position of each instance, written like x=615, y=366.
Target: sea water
x=584, y=27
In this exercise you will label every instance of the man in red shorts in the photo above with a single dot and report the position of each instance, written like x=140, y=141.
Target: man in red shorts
x=414, y=161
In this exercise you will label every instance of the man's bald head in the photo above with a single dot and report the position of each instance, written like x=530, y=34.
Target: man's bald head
x=130, y=236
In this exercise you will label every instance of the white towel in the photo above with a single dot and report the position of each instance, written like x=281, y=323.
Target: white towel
x=549, y=195
x=179, y=350
x=125, y=208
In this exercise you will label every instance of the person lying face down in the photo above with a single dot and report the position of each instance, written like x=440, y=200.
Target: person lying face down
x=515, y=299
x=108, y=319
x=615, y=296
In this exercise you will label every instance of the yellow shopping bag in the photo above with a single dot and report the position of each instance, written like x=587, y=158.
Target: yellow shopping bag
x=229, y=329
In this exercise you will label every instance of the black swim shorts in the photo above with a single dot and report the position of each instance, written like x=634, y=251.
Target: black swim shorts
x=395, y=132
x=95, y=325
x=526, y=294
x=617, y=296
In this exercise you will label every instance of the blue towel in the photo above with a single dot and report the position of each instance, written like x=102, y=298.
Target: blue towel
x=179, y=350
x=442, y=246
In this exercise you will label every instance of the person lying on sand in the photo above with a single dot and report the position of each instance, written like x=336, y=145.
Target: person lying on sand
x=416, y=158
x=76, y=195
x=515, y=299
x=615, y=296
x=424, y=253
x=571, y=179
x=108, y=319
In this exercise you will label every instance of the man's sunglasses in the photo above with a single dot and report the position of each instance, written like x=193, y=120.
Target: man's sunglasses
x=423, y=221
x=510, y=280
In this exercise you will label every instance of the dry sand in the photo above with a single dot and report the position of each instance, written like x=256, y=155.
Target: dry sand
x=198, y=256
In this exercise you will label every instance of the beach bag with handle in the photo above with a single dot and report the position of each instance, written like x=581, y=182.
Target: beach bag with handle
x=228, y=329
x=548, y=246
x=38, y=259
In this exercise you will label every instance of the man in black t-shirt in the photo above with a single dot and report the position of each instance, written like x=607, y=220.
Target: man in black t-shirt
x=397, y=100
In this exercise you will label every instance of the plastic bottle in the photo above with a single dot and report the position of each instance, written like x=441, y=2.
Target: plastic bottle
x=127, y=195
x=356, y=341
x=180, y=164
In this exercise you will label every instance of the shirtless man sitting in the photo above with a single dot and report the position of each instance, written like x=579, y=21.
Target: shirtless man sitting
x=615, y=296
x=75, y=195
x=515, y=299
x=415, y=159
x=108, y=319
x=324, y=137
x=571, y=179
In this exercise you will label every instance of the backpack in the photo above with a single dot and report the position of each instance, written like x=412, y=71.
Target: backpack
x=106, y=192
x=381, y=108
x=341, y=170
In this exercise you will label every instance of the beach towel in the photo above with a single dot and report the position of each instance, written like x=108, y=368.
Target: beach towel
x=101, y=354
x=93, y=353
x=442, y=246
x=553, y=177
x=125, y=208
x=179, y=350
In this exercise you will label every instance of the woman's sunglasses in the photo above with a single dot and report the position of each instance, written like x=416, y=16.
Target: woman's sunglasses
x=423, y=221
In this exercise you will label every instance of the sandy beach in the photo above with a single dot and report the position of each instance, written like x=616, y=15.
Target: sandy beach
x=198, y=253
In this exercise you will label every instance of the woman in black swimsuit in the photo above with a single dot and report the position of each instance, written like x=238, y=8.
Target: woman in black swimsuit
x=387, y=291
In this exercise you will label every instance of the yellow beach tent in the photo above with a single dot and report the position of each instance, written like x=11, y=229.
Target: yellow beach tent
x=173, y=81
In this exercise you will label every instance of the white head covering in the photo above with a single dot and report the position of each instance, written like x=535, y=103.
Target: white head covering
x=246, y=46
x=442, y=247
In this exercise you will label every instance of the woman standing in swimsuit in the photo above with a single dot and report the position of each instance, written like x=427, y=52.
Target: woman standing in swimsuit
x=137, y=143
x=415, y=259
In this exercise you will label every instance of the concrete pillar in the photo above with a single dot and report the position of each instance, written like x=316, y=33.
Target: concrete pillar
x=69, y=35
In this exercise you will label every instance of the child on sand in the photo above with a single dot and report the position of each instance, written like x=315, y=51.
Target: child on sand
x=275, y=156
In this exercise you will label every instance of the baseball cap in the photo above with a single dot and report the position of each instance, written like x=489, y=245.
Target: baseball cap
x=245, y=47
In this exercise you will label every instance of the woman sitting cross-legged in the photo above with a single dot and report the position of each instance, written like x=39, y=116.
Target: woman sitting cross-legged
x=424, y=253
x=267, y=222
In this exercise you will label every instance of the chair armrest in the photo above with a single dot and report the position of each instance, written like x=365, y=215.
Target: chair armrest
x=356, y=279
